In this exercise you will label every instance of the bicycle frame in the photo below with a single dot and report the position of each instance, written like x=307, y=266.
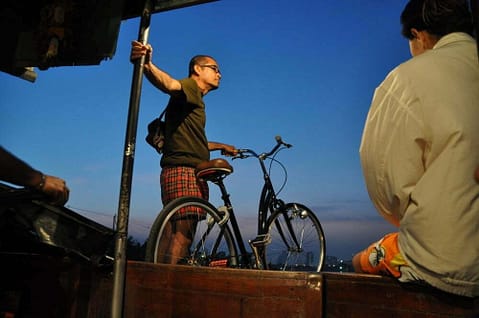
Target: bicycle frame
x=288, y=237
x=234, y=222
x=268, y=202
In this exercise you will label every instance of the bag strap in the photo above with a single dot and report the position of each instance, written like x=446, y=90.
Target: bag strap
x=158, y=128
x=162, y=113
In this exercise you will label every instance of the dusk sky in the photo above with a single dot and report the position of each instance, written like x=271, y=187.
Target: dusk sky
x=305, y=70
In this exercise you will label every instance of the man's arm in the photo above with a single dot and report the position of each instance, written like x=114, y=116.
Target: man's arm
x=159, y=78
x=226, y=150
x=13, y=170
x=392, y=149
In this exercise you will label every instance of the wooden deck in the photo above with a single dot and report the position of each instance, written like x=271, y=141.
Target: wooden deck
x=40, y=286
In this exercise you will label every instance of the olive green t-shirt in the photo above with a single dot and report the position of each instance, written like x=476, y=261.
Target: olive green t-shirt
x=185, y=137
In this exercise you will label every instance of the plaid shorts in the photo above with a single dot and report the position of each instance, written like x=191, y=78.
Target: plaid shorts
x=180, y=181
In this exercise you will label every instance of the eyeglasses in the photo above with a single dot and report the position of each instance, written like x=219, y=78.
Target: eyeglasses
x=215, y=68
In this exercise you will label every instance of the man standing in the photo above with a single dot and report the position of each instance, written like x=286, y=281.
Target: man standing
x=419, y=150
x=186, y=144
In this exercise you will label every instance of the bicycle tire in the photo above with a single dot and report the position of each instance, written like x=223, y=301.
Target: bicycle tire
x=202, y=251
x=282, y=253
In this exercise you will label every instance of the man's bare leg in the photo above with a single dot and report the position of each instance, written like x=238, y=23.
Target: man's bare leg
x=181, y=238
x=164, y=244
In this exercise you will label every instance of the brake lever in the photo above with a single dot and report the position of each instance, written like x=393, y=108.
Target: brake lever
x=239, y=157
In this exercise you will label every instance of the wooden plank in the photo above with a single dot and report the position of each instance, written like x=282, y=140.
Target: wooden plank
x=353, y=295
x=48, y=286
x=154, y=290
x=180, y=291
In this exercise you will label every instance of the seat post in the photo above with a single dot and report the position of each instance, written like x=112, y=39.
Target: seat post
x=224, y=193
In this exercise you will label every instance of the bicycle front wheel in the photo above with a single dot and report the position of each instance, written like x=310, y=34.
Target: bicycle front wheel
x=297, y=240
x=191, y=231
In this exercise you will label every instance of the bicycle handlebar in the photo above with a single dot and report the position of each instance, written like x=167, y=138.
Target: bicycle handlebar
x=280, y=141
x=245, y=153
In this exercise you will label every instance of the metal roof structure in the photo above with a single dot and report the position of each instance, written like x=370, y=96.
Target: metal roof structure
x=52, y=33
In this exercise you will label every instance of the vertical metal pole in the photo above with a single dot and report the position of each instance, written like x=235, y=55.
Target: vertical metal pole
x=117, y=304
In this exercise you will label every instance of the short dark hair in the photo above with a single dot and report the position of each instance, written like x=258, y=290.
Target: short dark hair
x=438, y=17
x=197, y=60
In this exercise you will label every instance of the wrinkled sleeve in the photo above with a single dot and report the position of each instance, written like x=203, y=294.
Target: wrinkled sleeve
x=392, y=148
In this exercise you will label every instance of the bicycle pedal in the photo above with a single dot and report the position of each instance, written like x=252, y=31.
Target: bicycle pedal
x=261, y=240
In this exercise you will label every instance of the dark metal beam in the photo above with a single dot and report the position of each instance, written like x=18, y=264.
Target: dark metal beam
x=120, y=260
x=133, y=8
x=119, y=270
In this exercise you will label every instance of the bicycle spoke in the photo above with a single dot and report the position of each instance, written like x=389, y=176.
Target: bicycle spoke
x=195, y=238
x=297, y=240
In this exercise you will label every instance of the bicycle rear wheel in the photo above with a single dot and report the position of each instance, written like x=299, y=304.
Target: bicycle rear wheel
x=297, y=240
x=208, y=240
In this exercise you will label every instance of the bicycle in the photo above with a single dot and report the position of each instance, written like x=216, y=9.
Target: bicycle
x=289, y=235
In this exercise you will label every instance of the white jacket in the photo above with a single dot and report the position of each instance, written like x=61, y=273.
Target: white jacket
x=419, y=151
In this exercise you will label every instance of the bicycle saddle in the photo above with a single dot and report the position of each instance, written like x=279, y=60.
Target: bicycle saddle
x=213, y=169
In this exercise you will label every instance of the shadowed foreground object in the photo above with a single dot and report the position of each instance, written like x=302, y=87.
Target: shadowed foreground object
x=48, y=286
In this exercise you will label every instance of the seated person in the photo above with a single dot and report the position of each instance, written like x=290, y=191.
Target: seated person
x=420, y=150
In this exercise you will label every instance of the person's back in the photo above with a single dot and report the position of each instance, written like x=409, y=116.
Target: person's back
x=420, y=146
x=439, y=229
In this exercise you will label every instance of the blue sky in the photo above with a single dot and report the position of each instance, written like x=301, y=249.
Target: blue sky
x=305, y=70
